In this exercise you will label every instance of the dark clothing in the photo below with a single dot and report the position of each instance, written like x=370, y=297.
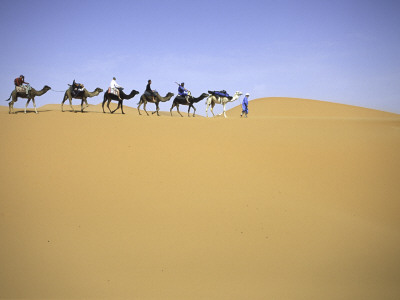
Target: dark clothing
x=19, y=81
x=149, y=91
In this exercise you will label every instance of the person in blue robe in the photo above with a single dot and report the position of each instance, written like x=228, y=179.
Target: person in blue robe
x=245, y=105
x=183, y=92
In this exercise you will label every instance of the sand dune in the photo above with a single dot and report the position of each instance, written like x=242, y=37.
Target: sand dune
x=299, y=201
x=295, y=107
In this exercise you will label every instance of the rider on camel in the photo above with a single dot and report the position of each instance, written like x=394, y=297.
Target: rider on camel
x=149, y=91
x=183, y=92
x=20, y=81
x=114, y=87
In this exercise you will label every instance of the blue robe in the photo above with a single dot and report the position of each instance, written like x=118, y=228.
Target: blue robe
x=245, y=105
x=182, y=91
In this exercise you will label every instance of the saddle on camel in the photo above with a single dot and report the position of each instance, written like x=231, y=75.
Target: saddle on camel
x=115, y=91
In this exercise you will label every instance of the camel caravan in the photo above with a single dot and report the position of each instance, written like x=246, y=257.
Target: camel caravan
x=115, y=93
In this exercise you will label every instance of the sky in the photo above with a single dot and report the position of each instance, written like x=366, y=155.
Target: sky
x=338, y=51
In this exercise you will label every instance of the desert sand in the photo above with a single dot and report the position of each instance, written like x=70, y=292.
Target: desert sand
x=299, y=201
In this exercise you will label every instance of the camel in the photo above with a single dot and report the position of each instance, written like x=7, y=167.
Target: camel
x=31, y=96
x=179, y=100
x=109, y=97
x=212, y=100
x=83, y=97
x=146, y=98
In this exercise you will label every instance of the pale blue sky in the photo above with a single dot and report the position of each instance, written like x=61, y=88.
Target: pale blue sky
x=340, y=51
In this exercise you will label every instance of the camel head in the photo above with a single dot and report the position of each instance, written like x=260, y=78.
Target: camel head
x=238, y=94
x=132, y=94
x=46, y=88
x=167, y=97
x=204, y=95
x=98, y=90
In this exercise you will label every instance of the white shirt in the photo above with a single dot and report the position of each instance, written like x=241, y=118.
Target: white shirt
x=114, y=84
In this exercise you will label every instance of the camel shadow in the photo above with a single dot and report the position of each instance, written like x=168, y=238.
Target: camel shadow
x=32, y=111
x=82, y=112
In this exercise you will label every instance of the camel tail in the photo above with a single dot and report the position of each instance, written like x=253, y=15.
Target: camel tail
x=9, y=98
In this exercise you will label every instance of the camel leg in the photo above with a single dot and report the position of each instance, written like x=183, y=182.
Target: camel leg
x=138, y=108
x=62, y=103
x=122, y=107
x=177, y=108
x=194, y=109
x=208, y=104
x=157, y=109
x=70, y=104
x=118, y=106
x=102, y=104
x=173, y=105
x=84, y=100
x=224, y=110
x=144, y=108
x=34, y=105
x=26, y=105
x=114, y=109
x=212, y=108
x=87, y=104
x=11, y=107
x=12, y=104
x=108, y=105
